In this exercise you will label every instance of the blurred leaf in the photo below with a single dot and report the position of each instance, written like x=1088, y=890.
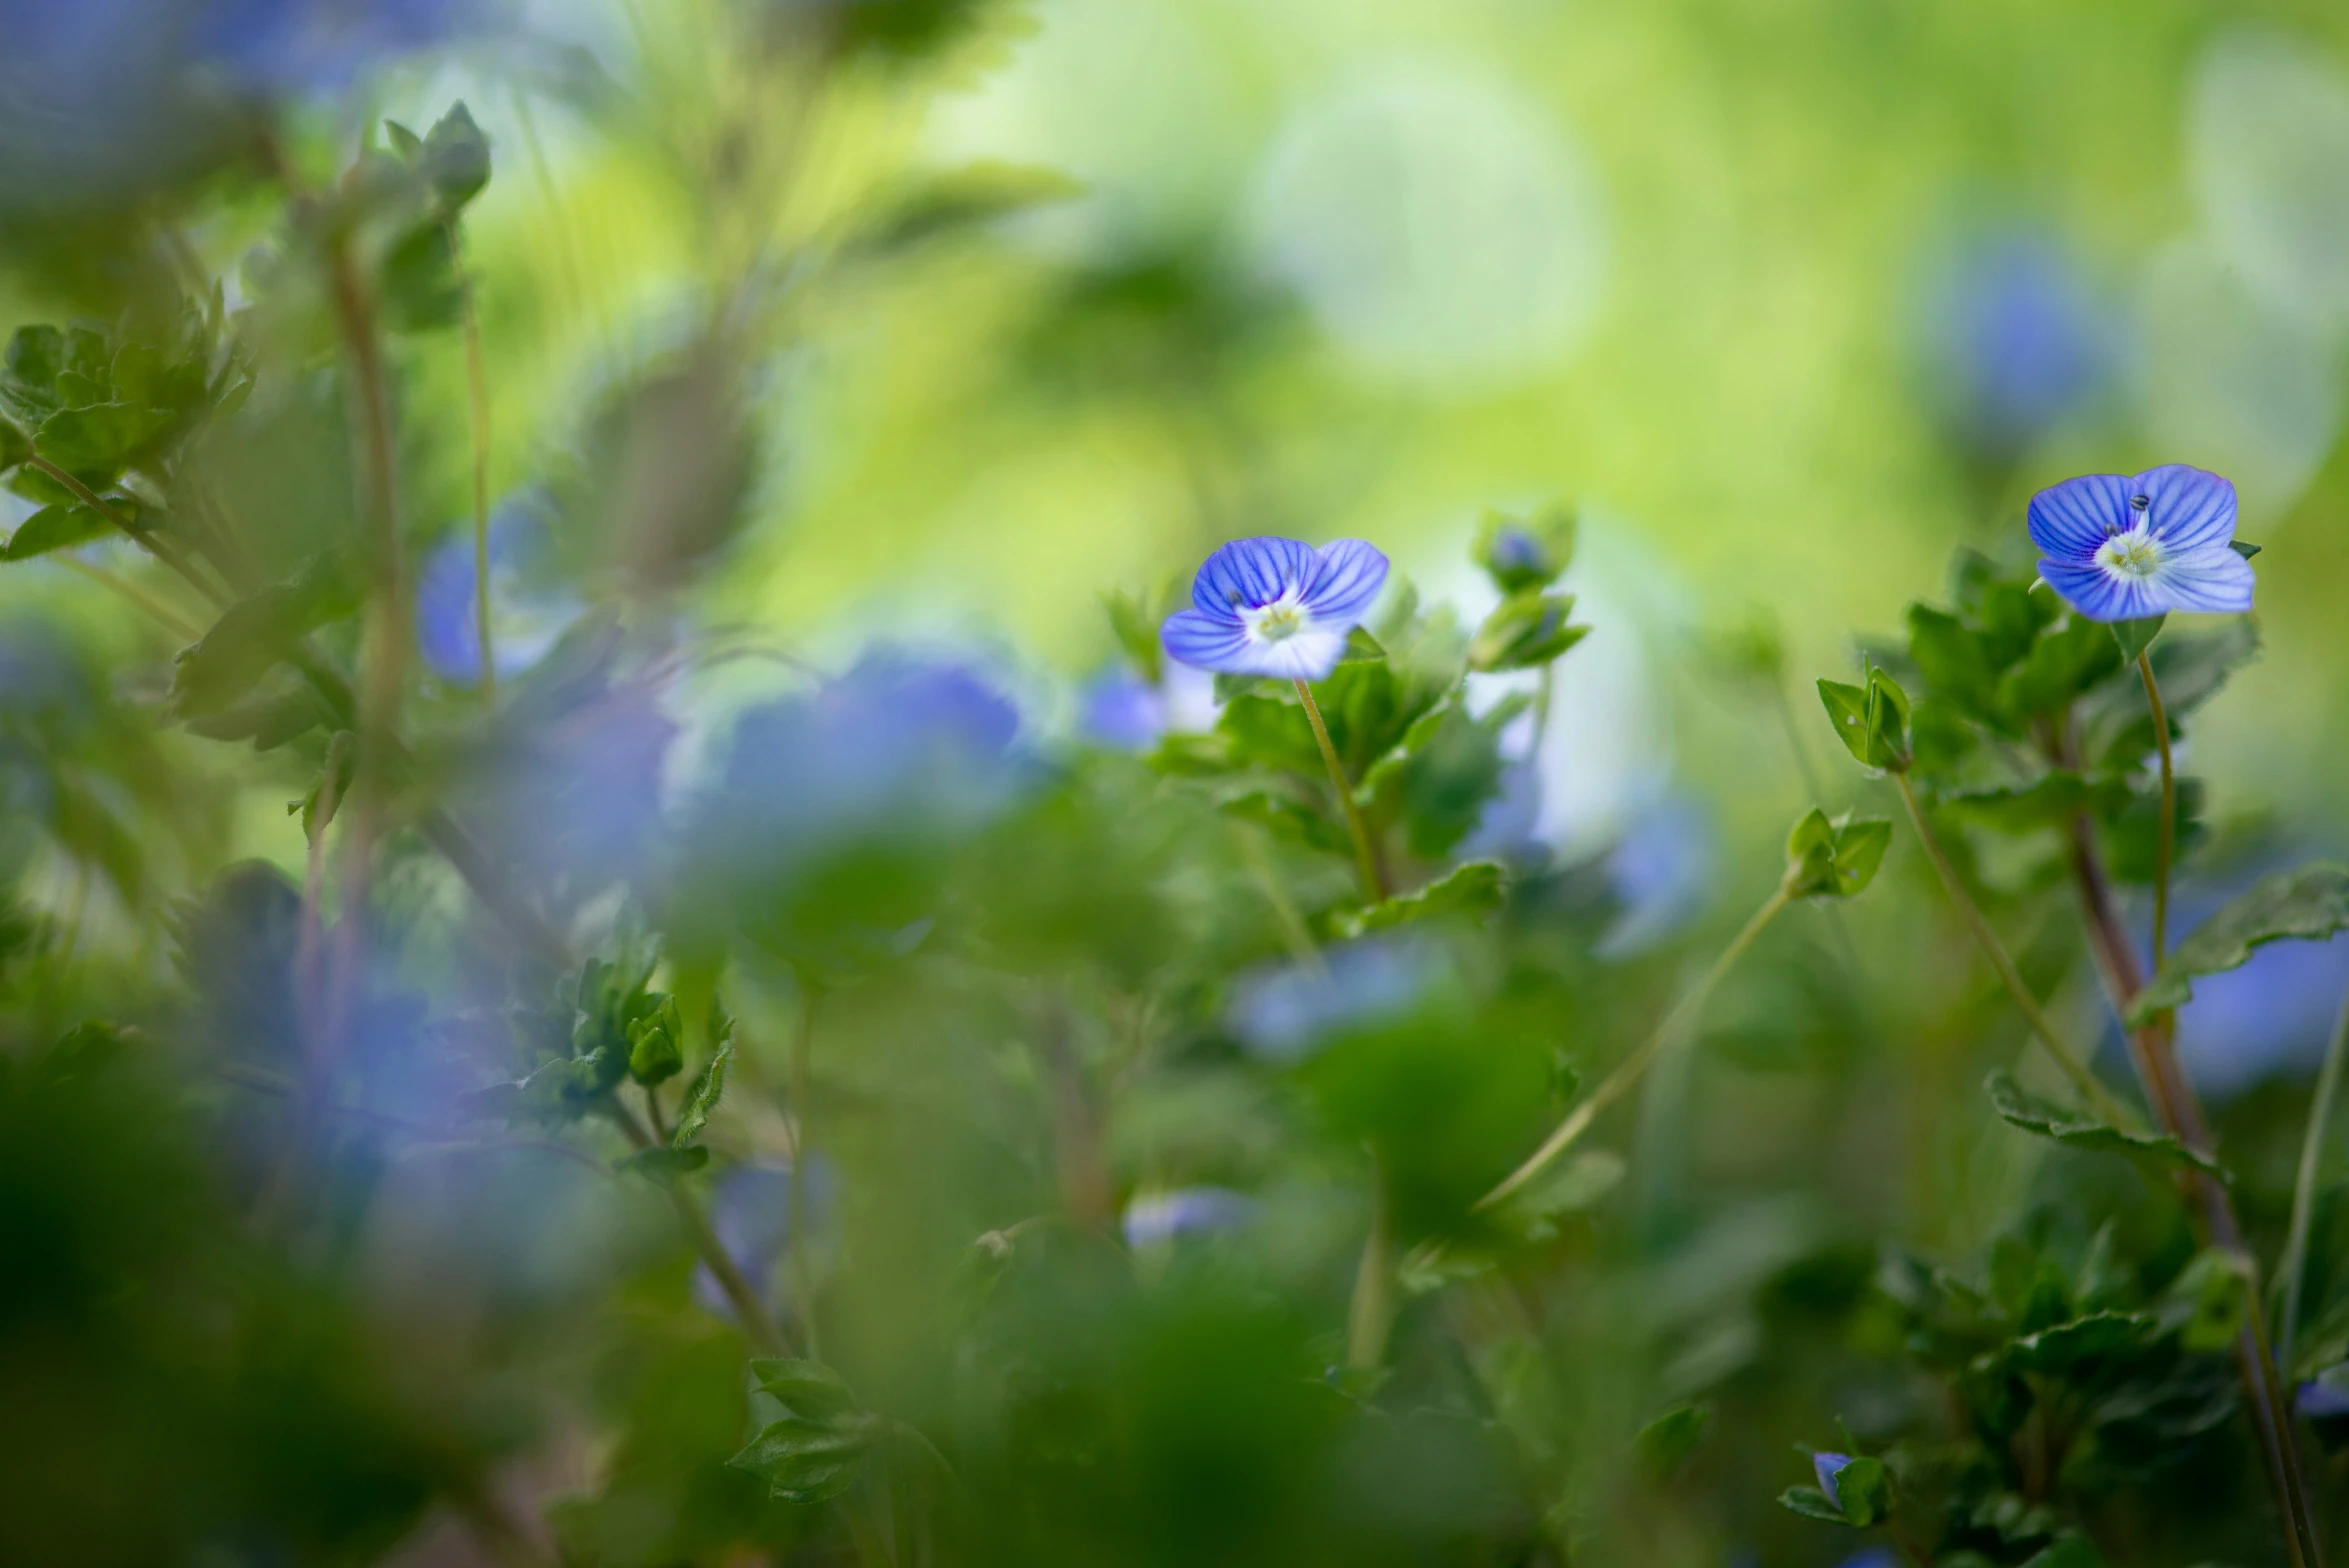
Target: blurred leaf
x=254, y=633
x=455, y=159
x=1864, y=1488
x=662, y=1166
x=2134, y=637
x=2209, y=1300
x=2309, y=904
x=809, y=1462
x=1468, y=891
x=2048, y=801
x=97, y=442
x=1811, y=1503
x=709, y=1085
x=55, y=528
x=1525, y=631
x=1567, y=1187
x=1135, y=621
x=1667, y=1443
x=1834, y=857
x=2079, y=1129
x=2058, y=1351
x=268, y=721
x=947, y=204
x=809, y=1389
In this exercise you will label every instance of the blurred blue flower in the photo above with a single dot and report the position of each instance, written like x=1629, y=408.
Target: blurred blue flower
x=2122, y=549
x=1152, y=1218
x=1872, y=1557
x=527, y=615
x=303, y=46
x=2316, y=1400
x=1276, y=607
x=750, y=1210
x=1827, y=1467
x=1506, y=830
x=2016, y=338
x=2269, y=1018
x=1123, y=711
x=1283, y=1013
x=1661, y=872
x=895, y=746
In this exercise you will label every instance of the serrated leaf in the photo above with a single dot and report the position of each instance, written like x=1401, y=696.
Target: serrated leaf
x=1811, y=1503
x=2309, y=904
x=55, y=528
x=2032, y=1113
x=95, y=443
x=1470, y=890
x=2055, y=1351
x=809, y=1462
x=709, y=1085
x=811, y=1390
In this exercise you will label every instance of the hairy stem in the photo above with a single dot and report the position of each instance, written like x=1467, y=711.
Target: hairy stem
x=2165, y=846
x=1374, y=883
x=2181, y=1116
x=477, y=389
x=1627, y=1073
x=2076, y=1070
x=748, y=1309
x=2312, y=1145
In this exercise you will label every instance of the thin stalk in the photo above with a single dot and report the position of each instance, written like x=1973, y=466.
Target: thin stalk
x=2181, y=1115
x=2077, y=1071
x=2166, y=845
x=1617, y=1083
x=2312, y=1144
x=154, y=544
x=1371, y=1313
x=802, y=1263
x=1374, y=884
x=477, y=388
x=1284, y=909
x=162, y=614
x=310, y=932
x=749, y=1311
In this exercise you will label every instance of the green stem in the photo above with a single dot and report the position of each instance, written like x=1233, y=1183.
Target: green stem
x=802, y=1069
x=1371, y=1314
x=162, y=614
x=1374, y=885
x=748, y=1309
x=154, y=544
x=1617, y=1083
x=2166, y=844
x=477, y=387
x=2312, y=1143
x=2073, y=1068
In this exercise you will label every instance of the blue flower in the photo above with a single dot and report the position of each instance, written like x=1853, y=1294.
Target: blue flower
x=1151, y=1218
x=1276, y=607
x=1284, y=1014
x=2017, y=339
x=750, y=1210
x=1827, y=1467
x=2123, y=549
x=526, y=617
x=1123, y=711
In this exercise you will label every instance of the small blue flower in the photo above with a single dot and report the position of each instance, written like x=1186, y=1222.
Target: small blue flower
x=2124, y=549
x=1827, y=1467
x=1123, y=711
x=1157, y=1217
x=1276, y=607
x=2318, y=1400
x=750, y=1210
x=527, y=617
x=1284, y=1014
x=2017, y=338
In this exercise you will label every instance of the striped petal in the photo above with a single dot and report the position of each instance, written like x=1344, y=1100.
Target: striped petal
x=1347, y=576
x=2213, y=579
x=1308, y=656
x=1206, y=642
x=2068, y=521
x=2101, y=595
x=1251, y=573
x=2192, y=507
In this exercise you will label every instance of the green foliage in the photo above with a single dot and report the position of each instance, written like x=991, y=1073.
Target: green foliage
x=1524, y=555
x=2308, y=905
x=2018, y=1107
x=1834, y=857
x=1872, y=720
x=823, y=1442
x=255, y=633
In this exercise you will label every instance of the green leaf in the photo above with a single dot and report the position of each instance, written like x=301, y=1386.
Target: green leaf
x=656, y=1052
x=661, y=1165
x=1864, y=1488
x=2134, y=637
x=1834, y=857
x=1566, y=1188
x=2055, y=1352
x=2209, y=1300
x=809, y=1462
x=2050, y=800
x=96, y=443
x=1811, y=1503
x=15, y=445
x=342, y=749
x=808, y=1389
x=403, y=141
x=254, y=633
x=1524, y=632
x=2072, y=1551
x=1954, y=661
x=1872, y=721
x=1470, y=890
x=1667, y=1443
x=2309, y=904
x=2066, y=660
x=944, y=206
x=55, y=528
x=2247, y=551
x=2019, y=1107
x=1135, y=622
x=455, y=159
x=709, y=1085
x=267, y=721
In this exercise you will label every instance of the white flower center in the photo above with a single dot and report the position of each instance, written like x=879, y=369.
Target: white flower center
x=2133, y=554
x=1277, y=622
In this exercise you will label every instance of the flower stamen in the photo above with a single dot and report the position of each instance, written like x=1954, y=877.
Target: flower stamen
x=2133, y=554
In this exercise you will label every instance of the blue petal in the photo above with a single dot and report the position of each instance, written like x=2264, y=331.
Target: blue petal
x=2213, y=579
x=2099, y=595
x=1251, y=573
x=1207, y=642
x=2068, y=521
x=1308, y=656
x=1347, y=576
x=2192, y=507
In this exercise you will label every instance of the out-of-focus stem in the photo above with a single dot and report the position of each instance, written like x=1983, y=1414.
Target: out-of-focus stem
x=748, y=1309
x=309, y=933
x=477, y=388
x=2165, y=846
x=2076, y=1070
x=162, y=614
x=802, y=1261
x=2181, y=1116
x=1374, y=884
x=1371, y=1314
x=1628, y=1071
x=2312, y=1145
x=153, y=543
